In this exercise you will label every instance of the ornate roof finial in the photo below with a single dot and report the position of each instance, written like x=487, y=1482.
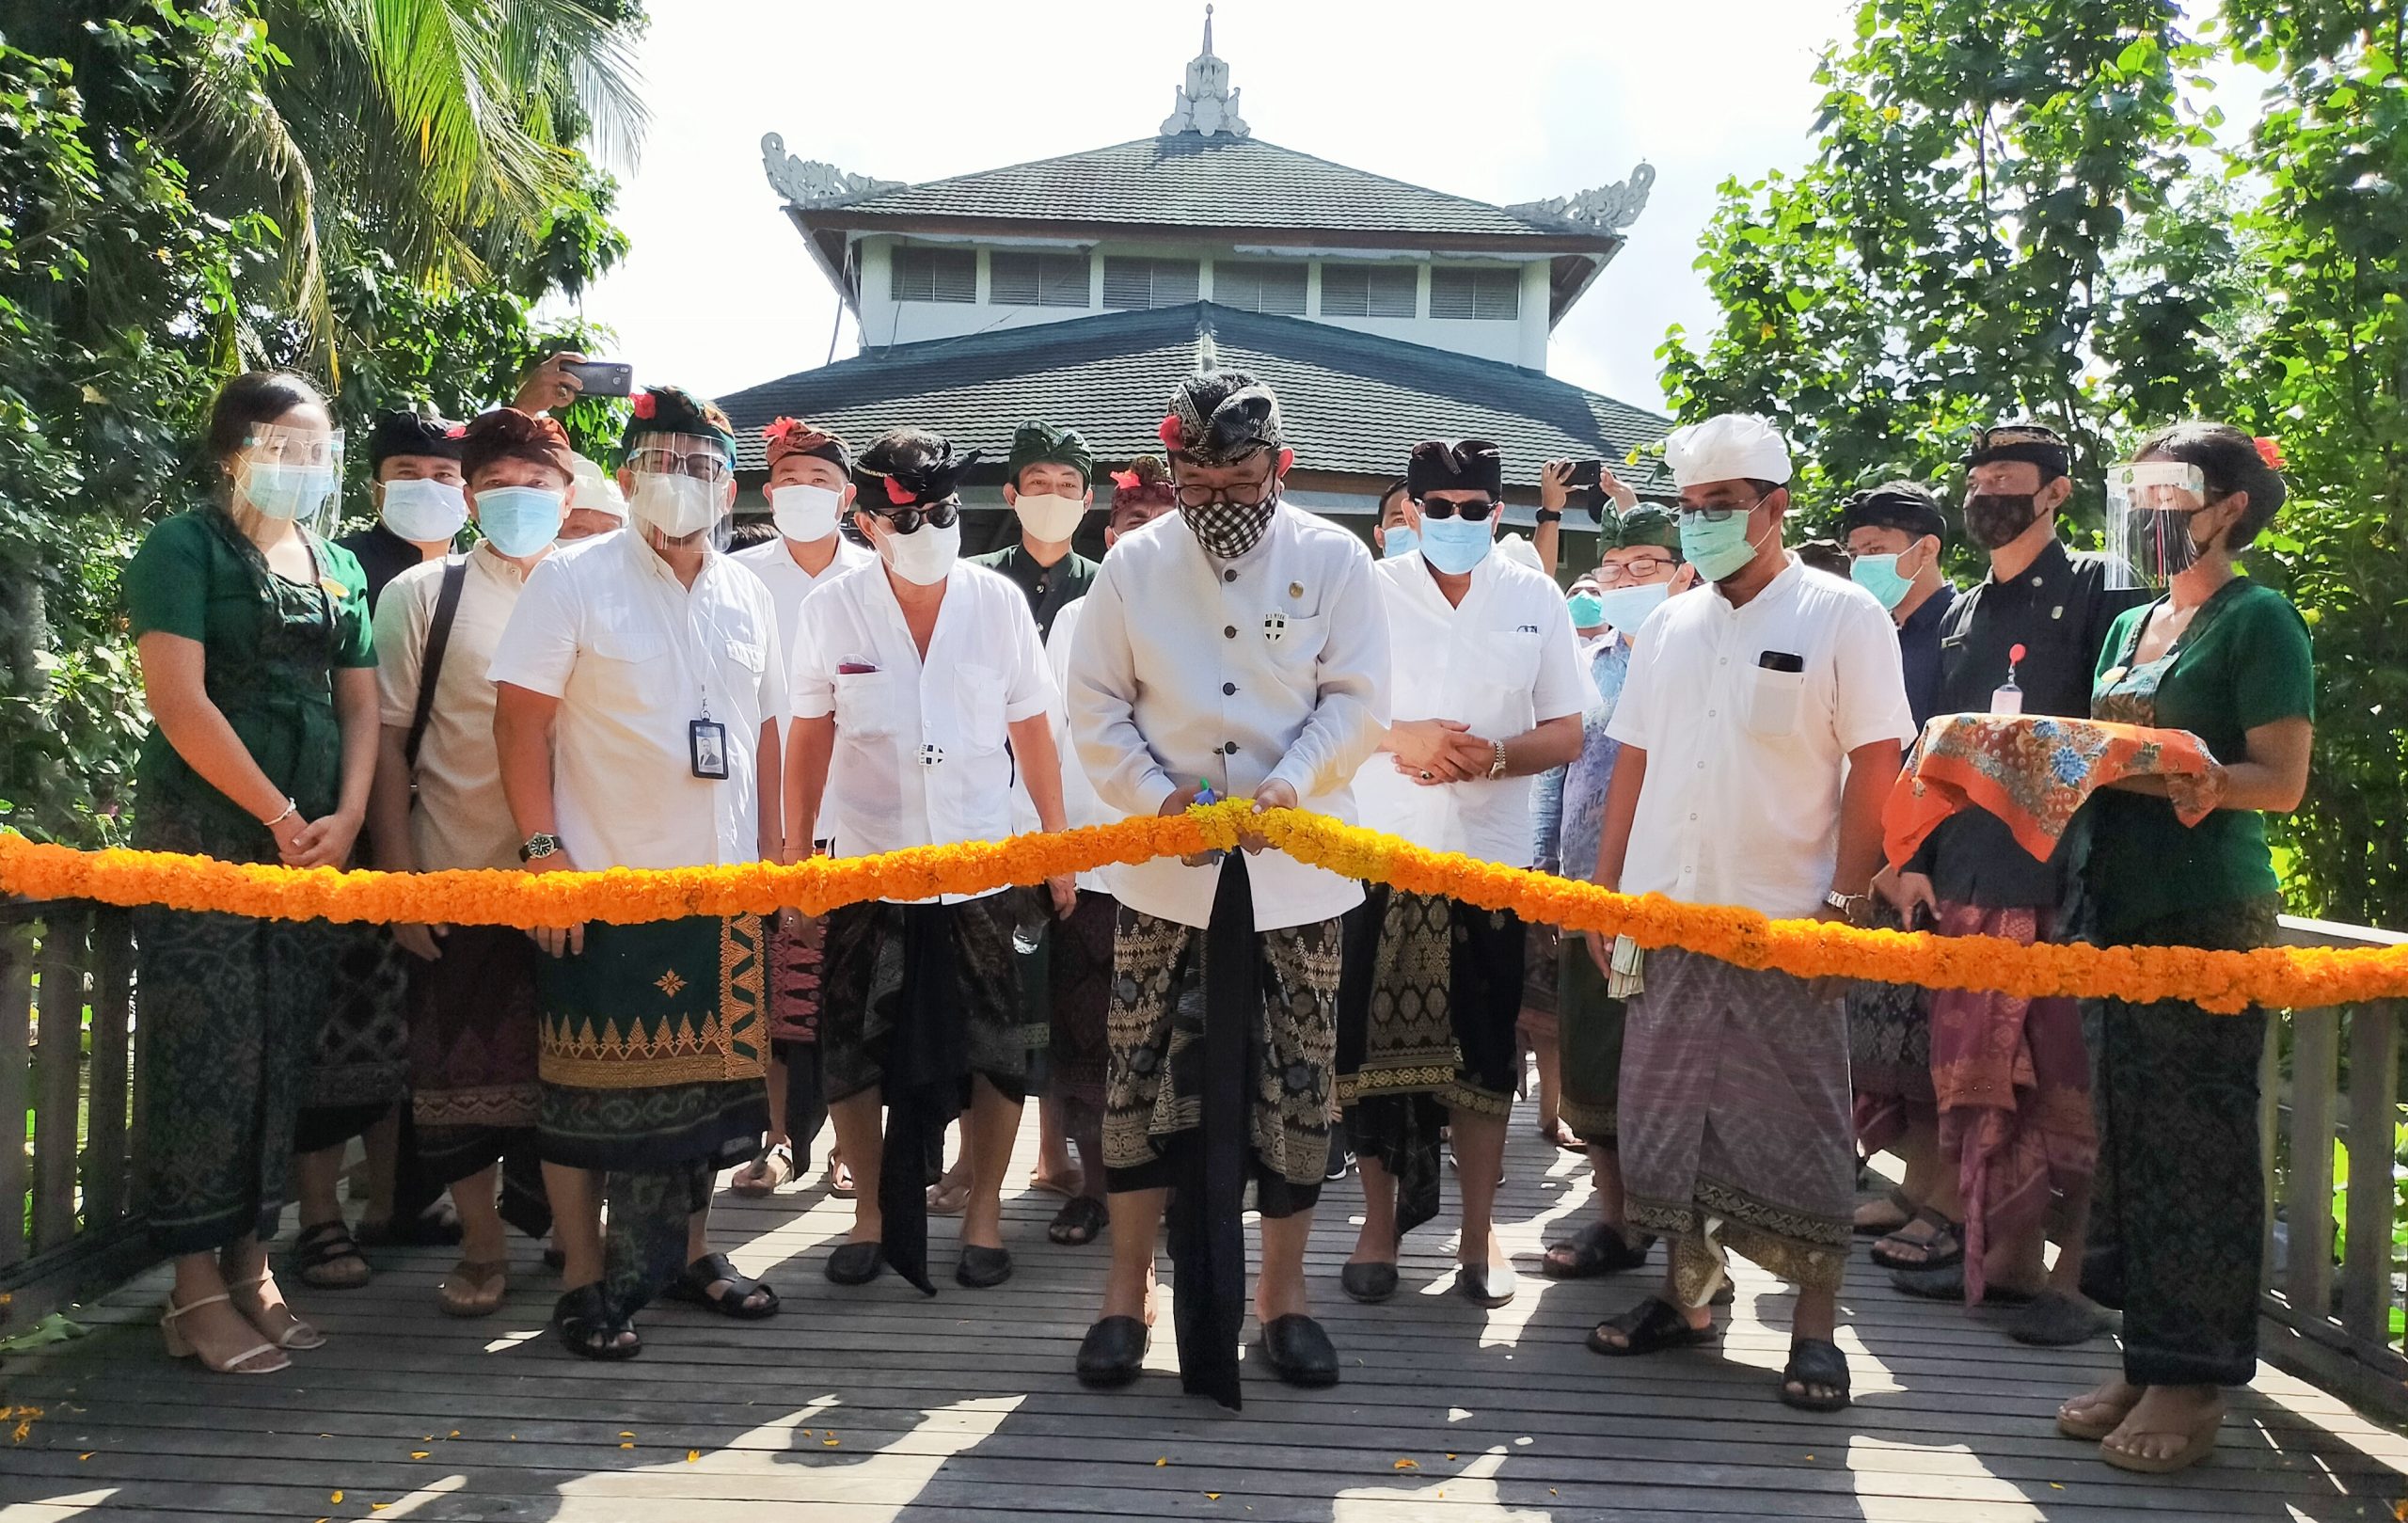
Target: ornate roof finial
x=1608, y=208
x=1206, y=106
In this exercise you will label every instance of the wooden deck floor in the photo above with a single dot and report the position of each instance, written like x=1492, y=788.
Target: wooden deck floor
x=873, y=1404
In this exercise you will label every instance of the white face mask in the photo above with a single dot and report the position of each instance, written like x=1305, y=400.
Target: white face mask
x=804, y=514
x=1050, y=519
x=926, y=558
x=677, y=506
x=424, y=510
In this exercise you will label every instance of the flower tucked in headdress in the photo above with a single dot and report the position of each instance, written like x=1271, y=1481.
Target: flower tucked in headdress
x=2270, y=450
x=911, y=467
x=1169, y=432
x=643, y=404
x=672, y=409
x=792, y=435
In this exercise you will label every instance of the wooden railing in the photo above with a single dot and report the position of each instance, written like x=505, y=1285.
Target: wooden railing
x=66, y=1068
x=2342, y=1086
x=66, y=1196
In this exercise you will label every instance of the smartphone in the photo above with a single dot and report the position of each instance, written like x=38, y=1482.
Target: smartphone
x=1781, y=660
x=1584, y=472
x=602, y=378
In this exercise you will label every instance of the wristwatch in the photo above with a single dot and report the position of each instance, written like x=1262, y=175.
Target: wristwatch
x=1497, y=767
x=1549, y=516
x=539, y=846
x=1849, y=905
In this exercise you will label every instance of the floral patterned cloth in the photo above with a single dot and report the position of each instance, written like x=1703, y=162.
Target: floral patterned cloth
x=2034, y=771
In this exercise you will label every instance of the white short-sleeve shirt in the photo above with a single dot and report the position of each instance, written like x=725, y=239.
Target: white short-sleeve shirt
x=1745, y=761
x=919, y=757
x=1503, y=662
x=635, y=659
x=773, y=561
x=1272, y=665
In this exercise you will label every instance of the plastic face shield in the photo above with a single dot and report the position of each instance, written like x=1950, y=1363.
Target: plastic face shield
x=2149, y=504
x=680, y=490
x=291, y=473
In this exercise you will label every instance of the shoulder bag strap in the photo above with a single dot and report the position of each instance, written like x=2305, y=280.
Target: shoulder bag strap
x=438, y=638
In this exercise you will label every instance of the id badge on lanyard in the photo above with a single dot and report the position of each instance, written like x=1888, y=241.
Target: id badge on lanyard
x=705, y=737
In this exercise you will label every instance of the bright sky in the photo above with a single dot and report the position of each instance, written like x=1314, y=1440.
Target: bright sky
x=1511, y=101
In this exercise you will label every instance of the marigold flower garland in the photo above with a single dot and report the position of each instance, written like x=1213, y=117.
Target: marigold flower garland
x=2295, y=978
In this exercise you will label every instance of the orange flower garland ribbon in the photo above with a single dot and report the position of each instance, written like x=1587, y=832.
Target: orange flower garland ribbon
x=2224, y=981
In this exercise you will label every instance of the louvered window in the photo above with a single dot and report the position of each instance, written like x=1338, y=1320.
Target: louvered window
x=1260, y=287
x=1488, y=295
x=935, y=275
x=1368, y=290
x=1019, y=280
x=1133, y=284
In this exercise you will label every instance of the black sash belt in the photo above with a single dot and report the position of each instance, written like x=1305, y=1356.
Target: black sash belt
x=1207, y=1233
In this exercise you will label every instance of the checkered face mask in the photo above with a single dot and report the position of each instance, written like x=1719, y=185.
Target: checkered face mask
x=1228, y=530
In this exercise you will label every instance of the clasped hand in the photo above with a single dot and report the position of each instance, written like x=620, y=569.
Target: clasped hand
x=1437, y=752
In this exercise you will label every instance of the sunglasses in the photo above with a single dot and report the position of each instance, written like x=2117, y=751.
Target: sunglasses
x=1469, y=511
x=908, y=520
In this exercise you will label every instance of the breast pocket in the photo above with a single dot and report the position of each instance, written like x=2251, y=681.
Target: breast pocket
x=980, y=692
x=867, y=704
x=1294, y=641
x=1775, y=702
x=631, y=667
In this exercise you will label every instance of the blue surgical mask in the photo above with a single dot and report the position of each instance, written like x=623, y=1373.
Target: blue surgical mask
x=1718, y=549
x=287, y=492
x=1398, y=543
x=1454, y=546
x=518, y=520
x=1627, y=608
x=1878, y=575
x=1588, y=611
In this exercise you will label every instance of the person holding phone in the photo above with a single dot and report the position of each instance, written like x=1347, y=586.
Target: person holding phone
x=1761, y=725
x=1557, y=479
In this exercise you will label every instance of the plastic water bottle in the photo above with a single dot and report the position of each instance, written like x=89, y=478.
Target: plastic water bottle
x=2006, y=698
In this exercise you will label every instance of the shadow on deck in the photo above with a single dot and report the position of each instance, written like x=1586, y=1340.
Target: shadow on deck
x=873, y=1404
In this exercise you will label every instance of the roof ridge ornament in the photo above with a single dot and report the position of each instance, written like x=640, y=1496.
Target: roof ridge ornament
x=808, y=181
x=1608, y=208
x=1206, y=106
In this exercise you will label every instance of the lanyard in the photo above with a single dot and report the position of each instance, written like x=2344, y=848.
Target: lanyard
x=683, y=643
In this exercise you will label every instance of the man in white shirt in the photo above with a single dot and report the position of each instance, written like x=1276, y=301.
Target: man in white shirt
x=437, y=804
x=637, y=716
x=1078, y=973
x=1487, y=693
x=1761, y=725
x=810, y=487
x=911, y=675
x=1242, y=649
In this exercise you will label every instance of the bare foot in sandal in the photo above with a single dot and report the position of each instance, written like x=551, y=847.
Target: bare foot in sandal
x=2099, y=1411
x=474, y=1288
x=763, y=1175
x=2171, y=1428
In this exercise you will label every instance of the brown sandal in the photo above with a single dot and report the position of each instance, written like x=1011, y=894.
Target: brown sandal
x=474, y=1288
x=764, y=1174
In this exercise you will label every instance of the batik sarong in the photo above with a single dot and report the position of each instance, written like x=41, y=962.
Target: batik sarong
x=917, y=998
x=475, y=1088
x=2180, y=1195
x=361, y=1068
x=2013, y=1082
x=1889, y=1035
x=1427, y=1007
x=653, y=1040
x=1079, y=985
x=1223, y=1043
x=1735, y=1121
x=1592, y=1023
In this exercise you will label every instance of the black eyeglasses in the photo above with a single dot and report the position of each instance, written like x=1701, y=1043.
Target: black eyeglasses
x=1439, y=507
x=1215, y=496
x=908, y=520
x=1716, y=515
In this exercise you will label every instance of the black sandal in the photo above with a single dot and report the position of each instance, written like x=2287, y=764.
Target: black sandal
x=589, y=1329
x=324, y=1244
x=1649, y=1327
x=1933, y=1258
x=1814, y=1361
x=1596, y=1249
x=1080, y=1222
x=694, y=1287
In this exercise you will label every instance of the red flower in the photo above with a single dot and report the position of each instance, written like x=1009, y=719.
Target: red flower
x=897, y=493
x=1170, y=433
x=2271, y=451
x=457, y=431
x=644, y=403
x=1125, y=479
x=778, y=429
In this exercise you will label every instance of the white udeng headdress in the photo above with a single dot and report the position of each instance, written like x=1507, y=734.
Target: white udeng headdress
x=1728, y=447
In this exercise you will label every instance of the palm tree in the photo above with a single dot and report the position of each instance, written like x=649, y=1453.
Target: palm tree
x=444, y=130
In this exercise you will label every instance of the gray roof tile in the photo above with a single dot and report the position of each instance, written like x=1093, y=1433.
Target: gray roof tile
x=1194, y=181
x=1354, y=403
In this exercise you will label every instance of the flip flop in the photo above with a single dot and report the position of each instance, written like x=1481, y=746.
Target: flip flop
x=2197, y=1445
x=1051, y=1184
x=474, y=1288
x=840, y=1178
x=943, y=1204
x=2091, y=1431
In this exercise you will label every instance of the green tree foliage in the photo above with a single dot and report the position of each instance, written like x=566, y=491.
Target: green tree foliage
x=2017, y=208
x=1992, y=206
x=181, y=196
x=2326, y=372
